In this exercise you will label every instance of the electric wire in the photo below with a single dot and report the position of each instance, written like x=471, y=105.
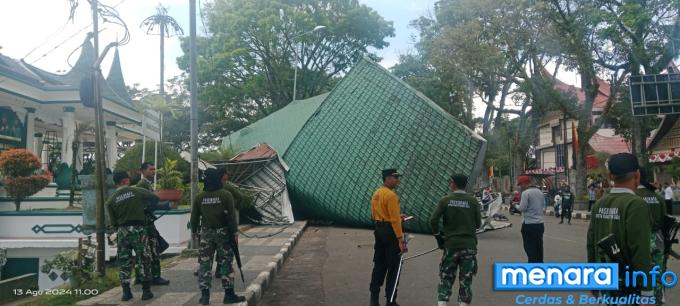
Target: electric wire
x=103, y=9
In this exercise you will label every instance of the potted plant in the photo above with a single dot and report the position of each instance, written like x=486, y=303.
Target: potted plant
x=169, y=186
x=23, y=176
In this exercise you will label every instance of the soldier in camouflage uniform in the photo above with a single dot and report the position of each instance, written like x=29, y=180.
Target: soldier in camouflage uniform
x=656, y=214
x=148, y=171
x=128, y=213
x=213, y=210
x=461, y=215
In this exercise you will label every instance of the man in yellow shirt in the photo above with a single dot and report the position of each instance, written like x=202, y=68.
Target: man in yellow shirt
x=389, y=237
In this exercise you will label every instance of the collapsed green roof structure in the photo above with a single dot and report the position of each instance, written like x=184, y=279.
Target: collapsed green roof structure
x=370, y=121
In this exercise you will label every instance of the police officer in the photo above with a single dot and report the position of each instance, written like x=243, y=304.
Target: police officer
x=646, y=191
x=623, y=216
x=213, y=210
x=567, y=205
x=129, y=214
x=148, y=171
x=461, y=214
x=389, y=237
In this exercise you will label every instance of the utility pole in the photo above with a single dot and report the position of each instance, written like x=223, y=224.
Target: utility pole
x=99, y=148
x=194, y=104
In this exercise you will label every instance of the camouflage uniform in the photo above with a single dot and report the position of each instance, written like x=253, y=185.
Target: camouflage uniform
x=215, y=240
x=461, y=215
x=135, y=238
x=452, y=261
x=128, y=212
x=153, y=238
x=658, y=260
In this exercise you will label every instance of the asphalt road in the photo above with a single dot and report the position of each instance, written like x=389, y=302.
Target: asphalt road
x=332, y=266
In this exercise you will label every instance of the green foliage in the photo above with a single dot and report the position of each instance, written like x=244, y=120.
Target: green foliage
x=247, y=59
x=220, y=154
x=67, y=262
x=674, y=168
x=417, y=72
x=22, y=174
x=169, y=178
x=132, y=159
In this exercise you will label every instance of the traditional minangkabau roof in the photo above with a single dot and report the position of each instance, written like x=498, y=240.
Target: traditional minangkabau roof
x=601, y=99
x=278, y=129
x=610, y=144
x=372, y=121
x=113, y=88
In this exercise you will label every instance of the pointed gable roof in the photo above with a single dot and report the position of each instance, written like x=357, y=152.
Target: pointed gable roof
x=115, y=79
x=603, y=90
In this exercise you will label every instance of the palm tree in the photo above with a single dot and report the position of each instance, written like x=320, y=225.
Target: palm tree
x=168, y=27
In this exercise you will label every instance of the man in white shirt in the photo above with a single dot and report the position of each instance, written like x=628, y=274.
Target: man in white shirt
x=668, y=196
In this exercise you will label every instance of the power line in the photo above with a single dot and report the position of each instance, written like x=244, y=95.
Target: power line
x=74, y=35
x=45, y=41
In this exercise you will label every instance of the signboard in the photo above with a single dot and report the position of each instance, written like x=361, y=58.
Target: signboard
x=655, y=94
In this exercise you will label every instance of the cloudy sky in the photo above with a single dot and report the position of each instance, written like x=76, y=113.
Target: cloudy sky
x=39, y=32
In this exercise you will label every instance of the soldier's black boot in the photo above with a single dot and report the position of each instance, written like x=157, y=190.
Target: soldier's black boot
x=146, y=291
x=158, y=281
x=231, y=297
x=205, y=297
x=127, y=293
x=375, y=299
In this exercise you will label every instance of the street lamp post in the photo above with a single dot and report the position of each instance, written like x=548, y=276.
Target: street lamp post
x=297, y=58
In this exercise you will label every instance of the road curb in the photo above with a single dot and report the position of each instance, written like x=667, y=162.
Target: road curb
x=257, y=287
x=583, y=215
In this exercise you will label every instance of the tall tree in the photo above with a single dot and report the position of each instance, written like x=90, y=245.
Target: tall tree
x=608, y=39
x=246, y=61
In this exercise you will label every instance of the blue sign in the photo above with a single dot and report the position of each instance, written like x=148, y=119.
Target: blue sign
x=556, y=276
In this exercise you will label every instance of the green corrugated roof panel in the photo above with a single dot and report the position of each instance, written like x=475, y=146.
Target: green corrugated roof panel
x=278, y=129
x=369, y=122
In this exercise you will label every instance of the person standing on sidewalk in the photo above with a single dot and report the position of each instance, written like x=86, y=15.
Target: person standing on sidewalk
x=461, y=215
x=668, y=196
x=567, y=205
x=389, y=237
x=128, y=210
x=213, y=210
x=148, y=171
x=531, y=205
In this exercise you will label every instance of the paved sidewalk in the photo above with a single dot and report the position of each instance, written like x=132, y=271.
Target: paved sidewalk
x=261, y=258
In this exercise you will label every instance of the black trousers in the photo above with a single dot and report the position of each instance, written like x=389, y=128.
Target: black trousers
x=669, y=207
x=385, y=259
x=566, y=210
x=590, y=204
x=532, y=235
